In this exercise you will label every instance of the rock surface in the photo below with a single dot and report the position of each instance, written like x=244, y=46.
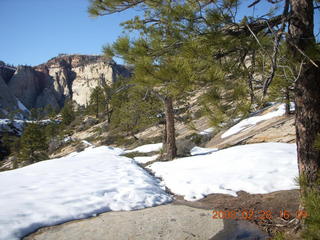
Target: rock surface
x=63, y=77
x=8, y=102
x=163, y=222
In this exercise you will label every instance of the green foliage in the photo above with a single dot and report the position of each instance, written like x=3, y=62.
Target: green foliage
x=33, y=141
x=52, y=130
x=311, y=203
x=50, y=111
x=97, y=103
x=279, y=236
x=34, y=114
x=135, y=109
x=67, y=113
x=317, y=142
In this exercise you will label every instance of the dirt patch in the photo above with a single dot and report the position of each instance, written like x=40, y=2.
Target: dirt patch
x=275, y=202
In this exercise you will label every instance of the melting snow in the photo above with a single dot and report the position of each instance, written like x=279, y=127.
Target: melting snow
x=251, y=121
x=201, y=151
x=207, y=131
x=254, y=168
x=147, y=148
x=73, y=187
x=145, y=159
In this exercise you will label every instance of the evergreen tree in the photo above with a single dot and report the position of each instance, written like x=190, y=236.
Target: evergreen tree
x=50, y=111
x=97, y=103
x=67, y=113
x=108, y=93
x=213, y=24
x=160, y=64
x=34, y=114
x=135, y=111
x=33, y=141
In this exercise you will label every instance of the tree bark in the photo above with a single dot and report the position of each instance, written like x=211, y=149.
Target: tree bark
x=170, y=144
x=287, y=96
x=307, y=91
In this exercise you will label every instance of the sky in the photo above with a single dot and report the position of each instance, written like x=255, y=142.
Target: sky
x=33, y=31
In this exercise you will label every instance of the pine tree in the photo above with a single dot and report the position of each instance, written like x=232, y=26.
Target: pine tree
x=160, y=64
x=33, y=141
x=215, y=24
x=136, y=110
x=97, y=103
x=67, y=113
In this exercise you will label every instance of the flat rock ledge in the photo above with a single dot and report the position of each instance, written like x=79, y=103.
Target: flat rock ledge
x=162, y=222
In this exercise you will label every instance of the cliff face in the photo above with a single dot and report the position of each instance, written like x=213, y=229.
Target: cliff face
x=63, y=77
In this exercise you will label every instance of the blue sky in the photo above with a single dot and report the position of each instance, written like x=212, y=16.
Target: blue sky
x=33, y=31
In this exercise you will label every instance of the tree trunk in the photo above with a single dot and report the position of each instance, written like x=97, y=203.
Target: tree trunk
x=287, y=96
x=307, y=90
x=109, y=112
x=170, y=146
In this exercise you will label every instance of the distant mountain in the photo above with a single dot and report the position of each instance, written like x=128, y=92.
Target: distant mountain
x=63, y=77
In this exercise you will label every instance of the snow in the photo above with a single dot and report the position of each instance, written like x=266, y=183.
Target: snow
x=68, y=139
x=254, y=168
x=77, y=186
x=251, y=121
x=6, y=125
x=17, y=125
x=144, y=160
x=207, y=131
x=85, y=142
x=201, y=151
x=22, y=107
x=147, y=148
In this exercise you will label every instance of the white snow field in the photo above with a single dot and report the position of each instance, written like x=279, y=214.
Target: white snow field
x=251, y=121
x=77, y=186
x=146, y=148
x=254, y=168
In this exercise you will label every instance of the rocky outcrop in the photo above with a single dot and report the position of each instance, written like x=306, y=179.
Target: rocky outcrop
x=63, y=77
x=8, y=102
x=6, y=72
x=74, y=76
x=25, y=85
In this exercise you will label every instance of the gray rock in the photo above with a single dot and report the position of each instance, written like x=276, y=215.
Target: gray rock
x=8, y=102
x=163, y=223
x=25, y=85
x=184, y=146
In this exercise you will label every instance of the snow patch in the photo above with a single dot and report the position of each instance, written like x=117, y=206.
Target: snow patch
x=77, y=186
x=207, y=131
x=22, y=107
x=147, y=148
x=201, y=151
x=254, y=168
x=144, y=160
x=251, y=121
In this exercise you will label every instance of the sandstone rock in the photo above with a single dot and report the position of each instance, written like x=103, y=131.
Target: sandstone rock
x=63, y=77
x=74, y=76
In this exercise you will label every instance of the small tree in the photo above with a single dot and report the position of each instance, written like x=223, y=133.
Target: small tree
x=97, y=103
x=34, y=114
x=67, y=113
x=135, y=111
x=33, y=141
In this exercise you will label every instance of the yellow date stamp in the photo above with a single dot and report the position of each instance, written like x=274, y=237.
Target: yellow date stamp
x=252, y=214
